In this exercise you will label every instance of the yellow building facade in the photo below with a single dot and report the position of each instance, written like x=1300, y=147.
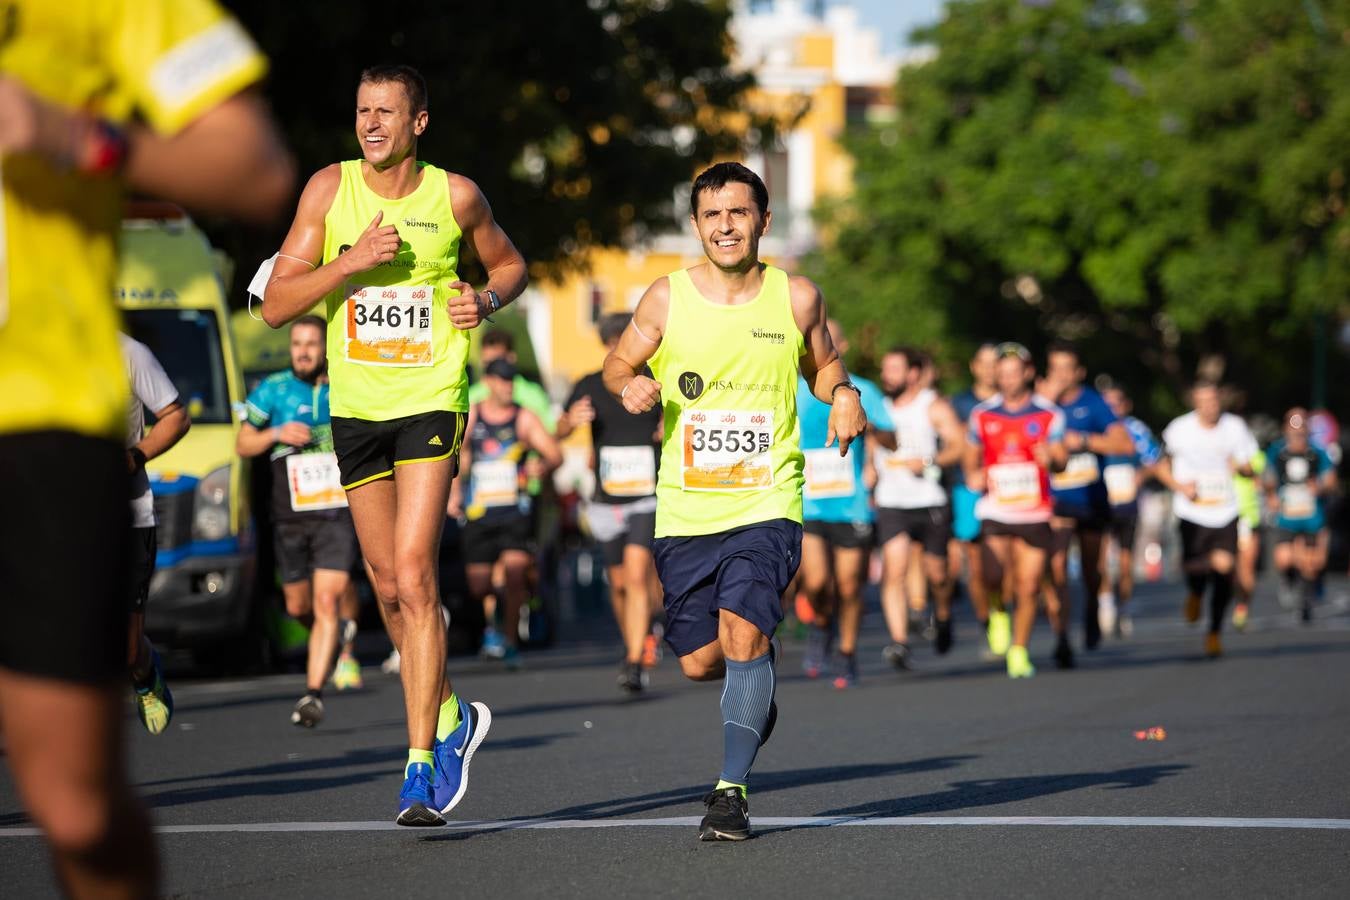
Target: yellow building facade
x=815, y=74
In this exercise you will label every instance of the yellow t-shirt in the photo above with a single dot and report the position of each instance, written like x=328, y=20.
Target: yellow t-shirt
x=162, y=61
x=731, y=453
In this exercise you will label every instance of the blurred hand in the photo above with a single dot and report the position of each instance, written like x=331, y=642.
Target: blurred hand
x=1041, y=454
x=641, y=394
x=581, y=412
x=455, y=508
x=377, y=244
x=20, y=112
x=294, y=434
x=979, y=482
x=1188, y=490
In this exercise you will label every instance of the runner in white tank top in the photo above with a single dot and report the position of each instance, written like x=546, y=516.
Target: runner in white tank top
x=911, y=504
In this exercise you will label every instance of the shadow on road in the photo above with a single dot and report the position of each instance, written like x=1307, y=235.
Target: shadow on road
x=995, y=791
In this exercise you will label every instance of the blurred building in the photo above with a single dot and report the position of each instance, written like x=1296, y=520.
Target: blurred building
x=818, y=71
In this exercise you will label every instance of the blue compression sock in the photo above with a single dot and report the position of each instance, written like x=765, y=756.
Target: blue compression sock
x=746, y=696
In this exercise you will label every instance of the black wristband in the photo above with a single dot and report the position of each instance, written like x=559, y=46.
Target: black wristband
x=845, y=384
x=138, y=455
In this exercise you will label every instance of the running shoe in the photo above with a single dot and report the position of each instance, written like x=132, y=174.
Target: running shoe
x=1305, y=614
x=154, y=702
x=1125, y=626
x=416, y=807
x=1241, y=612
x=846, y=671
x=308, y=711
x=999, y=632
x=347, y=674
x=897, y=655
x=817, y=651
x=1106, y=613
x=454, y=754
x=1287, y=594
x=929, y=627
x=347, y=632
x=631, y=678
x=651, y=651
x=1063, y=653
x=494, y=644
x=392, y=664
x=1192, y=607
x=1213, y=646
x=511, y=658
x=728, y=817
x=943, y=641
x=1019, y=663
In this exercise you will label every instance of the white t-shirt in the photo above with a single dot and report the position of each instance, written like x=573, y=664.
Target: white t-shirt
x=1206, y=457
x=150, y=389
x=897, y=485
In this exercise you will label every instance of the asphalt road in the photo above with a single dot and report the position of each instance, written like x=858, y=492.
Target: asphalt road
x=949, y=780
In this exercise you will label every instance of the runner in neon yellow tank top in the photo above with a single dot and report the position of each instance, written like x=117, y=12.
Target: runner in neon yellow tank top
x=726, y=340
x=377, y=239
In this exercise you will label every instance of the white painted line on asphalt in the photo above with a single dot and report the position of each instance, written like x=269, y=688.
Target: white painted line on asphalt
x=758, y=822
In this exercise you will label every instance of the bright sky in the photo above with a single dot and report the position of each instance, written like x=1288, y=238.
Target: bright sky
x=894, y=18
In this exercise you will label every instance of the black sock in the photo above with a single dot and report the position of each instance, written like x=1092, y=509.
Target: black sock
x=1309, y=591
x=1196, y=584
x=1290, y=576
x=316, y=693
x=1218, y=601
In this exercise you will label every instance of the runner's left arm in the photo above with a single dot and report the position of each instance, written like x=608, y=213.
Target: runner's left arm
x=822, y=367
x=507, y=275
x=536, y=436
x=950, y=431
x=155, y=391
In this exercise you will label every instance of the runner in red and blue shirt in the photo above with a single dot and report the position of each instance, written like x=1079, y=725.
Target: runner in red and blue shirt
x=1016, y=440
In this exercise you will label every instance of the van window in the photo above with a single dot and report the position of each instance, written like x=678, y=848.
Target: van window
x=187, y=344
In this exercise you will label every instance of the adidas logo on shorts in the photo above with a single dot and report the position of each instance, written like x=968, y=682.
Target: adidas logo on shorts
x=435, y=441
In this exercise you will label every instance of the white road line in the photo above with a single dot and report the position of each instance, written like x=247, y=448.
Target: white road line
x=760, y=822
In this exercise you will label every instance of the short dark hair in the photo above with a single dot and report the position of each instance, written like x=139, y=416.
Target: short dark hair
x=612, y=326
x=718, y=176
x=1062, y=346
x=913, y=356
x=414, y=85
x=313, y=321
x=499, y=337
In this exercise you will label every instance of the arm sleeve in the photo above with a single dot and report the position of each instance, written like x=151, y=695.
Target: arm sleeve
x=1244, y=445
x=149, y=382
x=176, y=59
x=1169, y=439
x=260, y=405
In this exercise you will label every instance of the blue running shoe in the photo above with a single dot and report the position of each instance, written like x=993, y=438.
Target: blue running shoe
x=415, y=804
x=454, y=754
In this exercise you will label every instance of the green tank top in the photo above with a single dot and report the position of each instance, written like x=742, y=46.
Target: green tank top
x=392, y=351
x=730, y=456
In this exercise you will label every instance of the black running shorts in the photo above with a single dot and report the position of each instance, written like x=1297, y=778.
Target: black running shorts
x=1033, y=534
x=844, y=535
x=143, y=550
x=1197, y=541
x=486, y=539
x=367, y=451
x=315, y=541
x=64, y=543
x=930, y=526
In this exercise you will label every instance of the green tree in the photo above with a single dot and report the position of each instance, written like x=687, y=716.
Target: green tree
x=1161, y=180
x=578, y=118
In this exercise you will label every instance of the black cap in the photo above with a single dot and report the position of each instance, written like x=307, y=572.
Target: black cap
x=501, y=368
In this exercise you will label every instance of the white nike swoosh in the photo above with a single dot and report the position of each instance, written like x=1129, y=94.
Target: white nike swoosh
x=468, y=734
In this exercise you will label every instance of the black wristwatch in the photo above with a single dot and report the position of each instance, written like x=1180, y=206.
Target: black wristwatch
x=494, y=301
x=138, y=456
x=847, y=385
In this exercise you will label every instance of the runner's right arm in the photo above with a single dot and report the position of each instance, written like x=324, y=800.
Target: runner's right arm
x=299, y=280
x=639, y=342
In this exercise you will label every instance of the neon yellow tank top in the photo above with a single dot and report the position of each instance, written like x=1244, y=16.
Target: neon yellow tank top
x=728, y=374
x=392, y=351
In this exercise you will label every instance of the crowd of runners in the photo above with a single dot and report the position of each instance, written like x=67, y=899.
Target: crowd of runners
x=740, y=472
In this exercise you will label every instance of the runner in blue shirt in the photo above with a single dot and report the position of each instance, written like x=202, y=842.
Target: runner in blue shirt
x=1124, y=476
x=1082, y=509
x=1298, y=477
x=316, y=546
x=836, y=524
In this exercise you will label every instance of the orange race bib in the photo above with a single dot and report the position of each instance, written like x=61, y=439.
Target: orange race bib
x=390, y=325
x=726, y=450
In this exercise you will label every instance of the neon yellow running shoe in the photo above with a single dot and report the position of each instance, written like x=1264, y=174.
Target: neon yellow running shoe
x=999, y=632
x=154, y=701
x=347, y=674
x=1019, y=664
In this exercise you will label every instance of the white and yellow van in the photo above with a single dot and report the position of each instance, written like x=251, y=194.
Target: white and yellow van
x=172, y=299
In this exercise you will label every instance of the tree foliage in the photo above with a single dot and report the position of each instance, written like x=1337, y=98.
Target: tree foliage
x=577, y=118
x=1162, y=180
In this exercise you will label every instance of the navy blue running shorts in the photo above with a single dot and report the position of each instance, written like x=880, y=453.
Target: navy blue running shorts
x=745, y=571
